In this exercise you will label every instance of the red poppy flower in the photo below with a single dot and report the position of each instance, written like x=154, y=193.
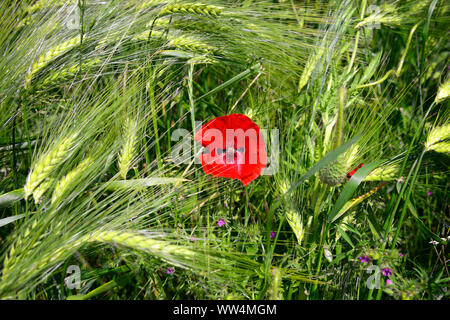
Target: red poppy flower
x=351, y=173
x=235, y=148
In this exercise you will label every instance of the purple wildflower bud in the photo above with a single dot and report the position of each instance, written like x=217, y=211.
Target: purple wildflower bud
x=273, y=234
x=226, y=206
x=193, y=238
x=364, y=259
x=386, y=272
x=429, y=193
x=389, y=281
x=221, y=222
x=170, y=270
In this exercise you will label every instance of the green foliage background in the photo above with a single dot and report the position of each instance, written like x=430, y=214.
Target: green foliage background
x=93, y=92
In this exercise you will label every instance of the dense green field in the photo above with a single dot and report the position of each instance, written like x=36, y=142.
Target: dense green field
x=102, y=191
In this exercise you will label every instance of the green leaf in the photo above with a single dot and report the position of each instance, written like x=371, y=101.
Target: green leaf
x=9, y=198
x=5, y=221
x=329, y=157
x=422, y=226
x=345, y=236
x=349, y=189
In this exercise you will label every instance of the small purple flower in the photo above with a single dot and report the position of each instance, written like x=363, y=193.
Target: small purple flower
x=386, y=272
x=226, y=206
x=389, y=281
x=221, y=222
x=170, y=270
x=429, y=193
x=401, y=255
x=364, y=259
x=273, y=234
x=193, y=238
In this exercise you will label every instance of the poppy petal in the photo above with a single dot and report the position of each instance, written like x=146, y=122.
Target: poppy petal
x=235, y=148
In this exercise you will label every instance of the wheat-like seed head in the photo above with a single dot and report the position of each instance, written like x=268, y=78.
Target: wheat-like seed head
x=56, y=78
x=442, y=147
x=336, y=173
x=126, y=155
x=192, y=44
x=388, y=15
x=45, y=164
x=50, y=55
x=443, y=92
x=385, y=173
x=66, y=181
x=184, y=42
x=295, y=221
x=436, y=139
x=191, y=8
x=163, y=249
x=141, y=242
x=40, y=190
x=149, y=3
x=309, y=67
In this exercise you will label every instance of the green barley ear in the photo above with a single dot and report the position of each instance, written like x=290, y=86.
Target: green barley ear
x=45, y=164
x=66, y=181
x=295, y=221
x=438, y=139
x=38, y=193
x=309, y=68
x=56, y=78
x=49, y=56
x=141, y=242
x=385, y=173
x=443, y=92
x=191, y=8
x=192, y=44
x=335, y=173
x=126, y=155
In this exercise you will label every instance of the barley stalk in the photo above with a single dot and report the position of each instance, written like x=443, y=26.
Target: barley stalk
x=45, y=164
x=126, y=155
